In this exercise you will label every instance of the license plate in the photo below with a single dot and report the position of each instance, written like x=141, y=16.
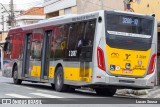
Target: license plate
x=127, y=71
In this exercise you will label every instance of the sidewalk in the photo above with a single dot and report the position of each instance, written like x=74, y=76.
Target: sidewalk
x=148, y=93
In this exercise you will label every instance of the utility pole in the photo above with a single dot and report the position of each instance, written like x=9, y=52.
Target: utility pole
x=8, y=12
x=12, y=13
x=2, y=23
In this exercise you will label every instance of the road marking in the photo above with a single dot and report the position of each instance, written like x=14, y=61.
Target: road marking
x=17, y=96
x=28, y=88
x=47, y=91
x=46, y=95
x=11, y=84
x=6, y=83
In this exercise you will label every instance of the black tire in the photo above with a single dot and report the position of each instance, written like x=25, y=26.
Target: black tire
x=106, y=91
x=15, y=76
x=53, y=86
x=59, y=80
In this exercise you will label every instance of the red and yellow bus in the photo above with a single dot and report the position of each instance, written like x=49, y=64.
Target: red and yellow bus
x=103, y=50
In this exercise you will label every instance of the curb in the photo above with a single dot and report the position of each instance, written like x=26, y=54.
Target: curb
x=132, y=93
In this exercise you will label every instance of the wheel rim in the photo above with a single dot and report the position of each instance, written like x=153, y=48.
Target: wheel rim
x=59, y=79
x=15, y=75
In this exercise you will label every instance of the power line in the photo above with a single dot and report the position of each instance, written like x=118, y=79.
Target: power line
x=26, y=3
x=53, y=2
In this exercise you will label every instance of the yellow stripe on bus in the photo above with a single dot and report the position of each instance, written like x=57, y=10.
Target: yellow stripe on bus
x=78, y=74
x=73, y=74
x=36, y=71
x=51, y=71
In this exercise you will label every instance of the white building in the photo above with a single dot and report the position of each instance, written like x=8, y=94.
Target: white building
x=28, y=19
x=30, y=16
x=54, y=8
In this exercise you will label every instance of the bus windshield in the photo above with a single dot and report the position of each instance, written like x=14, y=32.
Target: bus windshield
x=122, y=29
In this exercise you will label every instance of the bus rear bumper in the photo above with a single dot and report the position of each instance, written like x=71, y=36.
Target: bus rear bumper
x=138, y=83
x=125, y=82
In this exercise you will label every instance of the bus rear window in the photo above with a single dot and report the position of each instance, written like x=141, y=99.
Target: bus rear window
x=131, y=32
x=129, y=24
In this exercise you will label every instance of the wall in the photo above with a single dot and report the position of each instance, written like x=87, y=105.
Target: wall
x=23, y=22
x=93, y=5
x=3, y=36
x=147, y=7
x=56, y=5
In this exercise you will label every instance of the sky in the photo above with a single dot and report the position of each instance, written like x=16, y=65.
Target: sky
x=23, y=4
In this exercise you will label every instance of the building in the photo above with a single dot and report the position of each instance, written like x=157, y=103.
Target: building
x=30, y=16
x=54, y=8
x=147, y=7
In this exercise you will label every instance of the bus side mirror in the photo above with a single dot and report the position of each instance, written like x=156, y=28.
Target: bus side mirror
x=7, y=47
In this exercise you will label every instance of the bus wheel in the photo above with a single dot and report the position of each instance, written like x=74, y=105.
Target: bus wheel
x=59, y=80
x=106, y=91
x=15, y=76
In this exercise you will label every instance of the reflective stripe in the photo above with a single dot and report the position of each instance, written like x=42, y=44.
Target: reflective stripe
x=129, y=34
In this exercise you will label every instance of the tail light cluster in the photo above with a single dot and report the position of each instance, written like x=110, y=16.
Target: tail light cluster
x=152, y=64
x=100, y=59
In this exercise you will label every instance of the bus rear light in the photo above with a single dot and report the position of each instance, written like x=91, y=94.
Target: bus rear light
x=100, y=59
x=152, y=64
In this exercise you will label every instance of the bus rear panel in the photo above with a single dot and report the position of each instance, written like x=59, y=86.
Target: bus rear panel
x=129, y=57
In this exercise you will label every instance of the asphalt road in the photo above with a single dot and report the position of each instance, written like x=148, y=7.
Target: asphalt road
x=40, y=90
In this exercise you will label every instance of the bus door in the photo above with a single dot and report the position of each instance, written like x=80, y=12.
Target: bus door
x=45, y=55
x=87, y=50
x=26, y=55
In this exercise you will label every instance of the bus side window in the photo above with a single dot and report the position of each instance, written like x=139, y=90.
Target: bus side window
x=89, y=33
x=52, y=46
x=72, y=37
x=60, y=41
x=80, y=36
x=88, y=39
x=36, y=46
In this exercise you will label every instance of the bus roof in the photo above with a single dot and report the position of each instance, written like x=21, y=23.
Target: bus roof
x=59, y=19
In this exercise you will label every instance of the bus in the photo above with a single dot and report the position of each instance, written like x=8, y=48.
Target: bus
x=101, y=50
